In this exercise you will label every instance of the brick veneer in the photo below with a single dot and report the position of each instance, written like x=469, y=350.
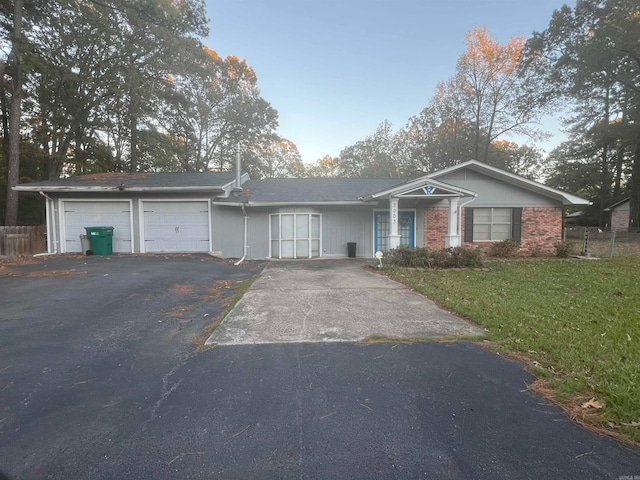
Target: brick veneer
x=541, y=228
x=436, y=226
x=620, y=220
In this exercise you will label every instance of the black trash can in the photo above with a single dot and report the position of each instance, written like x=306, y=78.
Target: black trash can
x=351, y=249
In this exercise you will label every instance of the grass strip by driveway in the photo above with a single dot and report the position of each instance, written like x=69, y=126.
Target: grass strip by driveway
x=240, y=289
x=577, y=323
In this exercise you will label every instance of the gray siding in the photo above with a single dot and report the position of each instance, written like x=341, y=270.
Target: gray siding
x=347, y=224
x=259, y=232
x=339, y=226
x=496, y=193
x=227, y=231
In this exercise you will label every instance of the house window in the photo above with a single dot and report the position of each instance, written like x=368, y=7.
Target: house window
x=492, y=224
x=295, y=235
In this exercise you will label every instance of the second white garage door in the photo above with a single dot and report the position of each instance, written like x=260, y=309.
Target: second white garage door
x=176, y=226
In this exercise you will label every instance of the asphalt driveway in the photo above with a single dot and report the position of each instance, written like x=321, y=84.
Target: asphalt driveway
x=99, y=379
x=86, y=344
x=332, y=301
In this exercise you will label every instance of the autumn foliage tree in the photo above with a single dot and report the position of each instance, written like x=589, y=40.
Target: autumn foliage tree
x=485, y=93
x=273, y=157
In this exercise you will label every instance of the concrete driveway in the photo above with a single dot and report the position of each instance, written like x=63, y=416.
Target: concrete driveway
x=332, y=301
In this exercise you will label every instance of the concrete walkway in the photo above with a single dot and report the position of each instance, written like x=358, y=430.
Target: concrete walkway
x=332, y=301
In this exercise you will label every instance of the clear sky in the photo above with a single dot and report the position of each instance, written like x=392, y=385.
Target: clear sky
x=335, y=69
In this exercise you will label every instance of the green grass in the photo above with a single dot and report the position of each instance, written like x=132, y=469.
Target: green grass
x=580, y=320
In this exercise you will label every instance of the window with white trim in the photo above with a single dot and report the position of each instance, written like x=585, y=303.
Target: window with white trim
x=492, y=224
x=295, y=235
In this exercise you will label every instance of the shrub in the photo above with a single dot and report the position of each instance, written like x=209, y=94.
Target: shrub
x=457, y=257
x=464, y=257
x=564, y=249
x=536, y=250
x=408, y=257
x=505, y=249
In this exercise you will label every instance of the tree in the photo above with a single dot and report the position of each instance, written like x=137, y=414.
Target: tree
x=13, y=66
x=384, y=154
x=274, y=157
x=523, y=160
x=324, y=167
x=435, y=141
x=488, y=82
x=214, y=109
x=590, y=55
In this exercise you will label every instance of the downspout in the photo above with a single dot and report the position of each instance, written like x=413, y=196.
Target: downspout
x=53, y=221
x=475, y=195
x=246, y=228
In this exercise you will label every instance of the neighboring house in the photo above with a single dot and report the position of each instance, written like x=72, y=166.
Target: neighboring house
x=620, y=215
x=573, y=219
x=471, y=203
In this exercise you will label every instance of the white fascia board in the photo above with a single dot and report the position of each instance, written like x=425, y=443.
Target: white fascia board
x=512, y=178
x=290, y=204
x=228, y=204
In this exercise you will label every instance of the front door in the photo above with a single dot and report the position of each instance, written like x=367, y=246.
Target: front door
x=406, y=229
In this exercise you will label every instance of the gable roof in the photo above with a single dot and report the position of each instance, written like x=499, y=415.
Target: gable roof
x=136, y=182
x=617, y=204
x=513, y=179
x=313, y=190
x=412, y=185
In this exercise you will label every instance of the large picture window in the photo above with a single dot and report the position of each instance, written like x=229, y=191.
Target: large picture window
x=492, y=224
x=295, y=235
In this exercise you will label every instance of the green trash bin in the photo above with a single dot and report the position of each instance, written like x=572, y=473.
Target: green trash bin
x=101, y=239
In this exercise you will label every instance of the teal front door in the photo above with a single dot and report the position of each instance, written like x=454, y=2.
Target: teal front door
x=406, y=229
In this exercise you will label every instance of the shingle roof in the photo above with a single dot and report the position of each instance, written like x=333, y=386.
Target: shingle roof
x=306, y=190
x=115, y=180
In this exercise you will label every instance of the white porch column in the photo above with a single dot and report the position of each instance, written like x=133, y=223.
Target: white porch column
x=394, y=237
x=453, y=238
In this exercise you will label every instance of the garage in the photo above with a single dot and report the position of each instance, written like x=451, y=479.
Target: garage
x=78, y=214
x=175, y=226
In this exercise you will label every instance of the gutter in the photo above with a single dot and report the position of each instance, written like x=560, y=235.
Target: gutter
x=475, y=195
x=120, y=188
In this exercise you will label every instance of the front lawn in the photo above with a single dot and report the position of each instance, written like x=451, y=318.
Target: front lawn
x=578, y=323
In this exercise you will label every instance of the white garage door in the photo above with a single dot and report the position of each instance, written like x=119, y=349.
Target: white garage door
x=176, y=226
x=78, y=215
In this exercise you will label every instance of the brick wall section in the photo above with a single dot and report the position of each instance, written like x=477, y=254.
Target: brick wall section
x=620, y=220
x=436, y=226
x=541, y=229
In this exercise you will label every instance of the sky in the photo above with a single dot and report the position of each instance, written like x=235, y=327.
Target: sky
x=335, y=69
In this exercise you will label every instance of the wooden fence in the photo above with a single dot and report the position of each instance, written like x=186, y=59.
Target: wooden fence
x=20, y=241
